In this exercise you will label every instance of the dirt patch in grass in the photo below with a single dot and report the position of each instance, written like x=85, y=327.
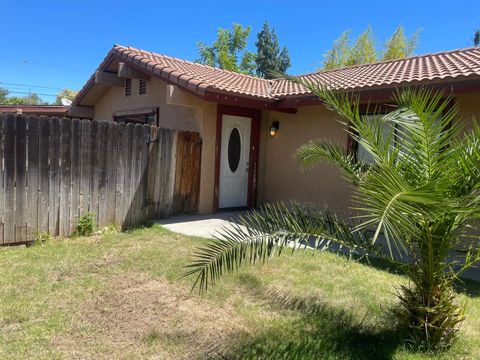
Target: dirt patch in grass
x=140, y=317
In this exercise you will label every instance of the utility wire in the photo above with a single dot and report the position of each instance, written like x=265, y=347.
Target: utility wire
x=31, y=93
x=27, y=62
x=30, y=86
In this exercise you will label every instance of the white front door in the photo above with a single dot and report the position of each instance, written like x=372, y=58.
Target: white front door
x=234, y=161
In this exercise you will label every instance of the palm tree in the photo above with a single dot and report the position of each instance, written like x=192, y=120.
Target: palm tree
x=417, y=202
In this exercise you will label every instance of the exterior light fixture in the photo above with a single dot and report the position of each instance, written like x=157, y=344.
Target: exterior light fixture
x=274, y=128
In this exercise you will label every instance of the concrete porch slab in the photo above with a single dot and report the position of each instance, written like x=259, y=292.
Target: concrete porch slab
x=205, y=226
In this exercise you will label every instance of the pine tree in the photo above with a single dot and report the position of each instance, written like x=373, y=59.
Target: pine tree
x=476, y=38
x=399, y=46
x=270, y=60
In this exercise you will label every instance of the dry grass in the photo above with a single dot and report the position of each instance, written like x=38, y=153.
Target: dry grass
x=120, y=296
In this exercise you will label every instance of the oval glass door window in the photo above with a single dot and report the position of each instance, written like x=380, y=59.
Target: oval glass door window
x=234, y=150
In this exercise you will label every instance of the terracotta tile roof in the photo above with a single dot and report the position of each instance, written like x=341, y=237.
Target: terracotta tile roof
x=448, y=66
x=444, y=66
x=193, y=76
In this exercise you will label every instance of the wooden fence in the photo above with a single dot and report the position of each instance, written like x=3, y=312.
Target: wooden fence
x=55, y=170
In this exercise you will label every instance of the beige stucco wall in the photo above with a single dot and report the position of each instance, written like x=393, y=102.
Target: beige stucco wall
x=280, y=178
x=170, y=116
x=469, y=108
x=188, y=113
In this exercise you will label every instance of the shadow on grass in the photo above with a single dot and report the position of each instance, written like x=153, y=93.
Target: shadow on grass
x=312, y=329
x=468, y=287
x=464, y=285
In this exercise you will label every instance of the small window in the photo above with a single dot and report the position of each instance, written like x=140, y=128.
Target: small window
x=362, y=154
x=399, y=140
x=234, y=150
x=138, y=118
x=128, y=87
x=142, y=87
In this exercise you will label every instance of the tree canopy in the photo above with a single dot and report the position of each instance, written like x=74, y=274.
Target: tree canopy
x=29, y=99
x=476, y=38
x=65, y=94
x=399, y=46
x=228, y=51
x=364, y=49
x=270, y=60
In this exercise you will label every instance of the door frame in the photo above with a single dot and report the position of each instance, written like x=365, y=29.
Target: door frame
x=255, y=115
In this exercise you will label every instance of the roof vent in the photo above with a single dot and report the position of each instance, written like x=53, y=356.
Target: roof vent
x=142, y=88
x=128, y=87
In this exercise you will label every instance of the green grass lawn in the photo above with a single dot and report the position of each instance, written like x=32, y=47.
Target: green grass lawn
x=120, y=296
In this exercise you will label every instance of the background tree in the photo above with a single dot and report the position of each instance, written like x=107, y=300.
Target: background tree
x=419, y=195
x=476, y=38
x=399, y=46
x=3, y=95
x=229, y=52
x=65, y=94
x=270, y=60
x=339, y=54
x=364, y=49
x=29, y=99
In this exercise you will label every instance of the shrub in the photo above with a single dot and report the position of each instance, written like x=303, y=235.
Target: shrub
x=86, y=224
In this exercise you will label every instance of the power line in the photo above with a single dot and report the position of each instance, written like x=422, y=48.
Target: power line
x=31, y=86
x=31, y=93
x=27, y=62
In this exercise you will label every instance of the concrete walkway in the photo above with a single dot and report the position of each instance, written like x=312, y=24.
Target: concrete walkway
x=206, y=226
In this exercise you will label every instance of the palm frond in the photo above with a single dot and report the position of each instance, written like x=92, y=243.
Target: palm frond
x=261, y=234
x=313, y=152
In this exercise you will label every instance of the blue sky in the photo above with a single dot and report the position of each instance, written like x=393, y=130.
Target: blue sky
x=58, y=44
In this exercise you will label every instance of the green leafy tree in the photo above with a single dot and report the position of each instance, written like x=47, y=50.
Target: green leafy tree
x=33, y=99
x=30, y=99
x=339, y=54
x=229, y=52
x=399, y=46
x=476, y=38
x=420, y=196
x=270, y=60
x=364, y=49
x=3, y=95
x=65, y=94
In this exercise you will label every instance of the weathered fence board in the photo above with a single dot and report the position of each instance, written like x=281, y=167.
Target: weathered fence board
x=54, y=179
x=33, y=175
x=2, y=179
x=75, y=189
x=43, y=175
x=56, y=170
x=2, y=186
x=9, y=163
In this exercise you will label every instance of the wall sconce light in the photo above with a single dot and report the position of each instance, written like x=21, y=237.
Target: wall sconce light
x=274, y=128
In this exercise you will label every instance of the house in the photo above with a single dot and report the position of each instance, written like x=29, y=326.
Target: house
x=242, y=164
x=47, y=110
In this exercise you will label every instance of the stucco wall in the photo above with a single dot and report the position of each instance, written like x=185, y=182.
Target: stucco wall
x=190, y=113
x=170, y=116
x=280, y=178
x=469, y=106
